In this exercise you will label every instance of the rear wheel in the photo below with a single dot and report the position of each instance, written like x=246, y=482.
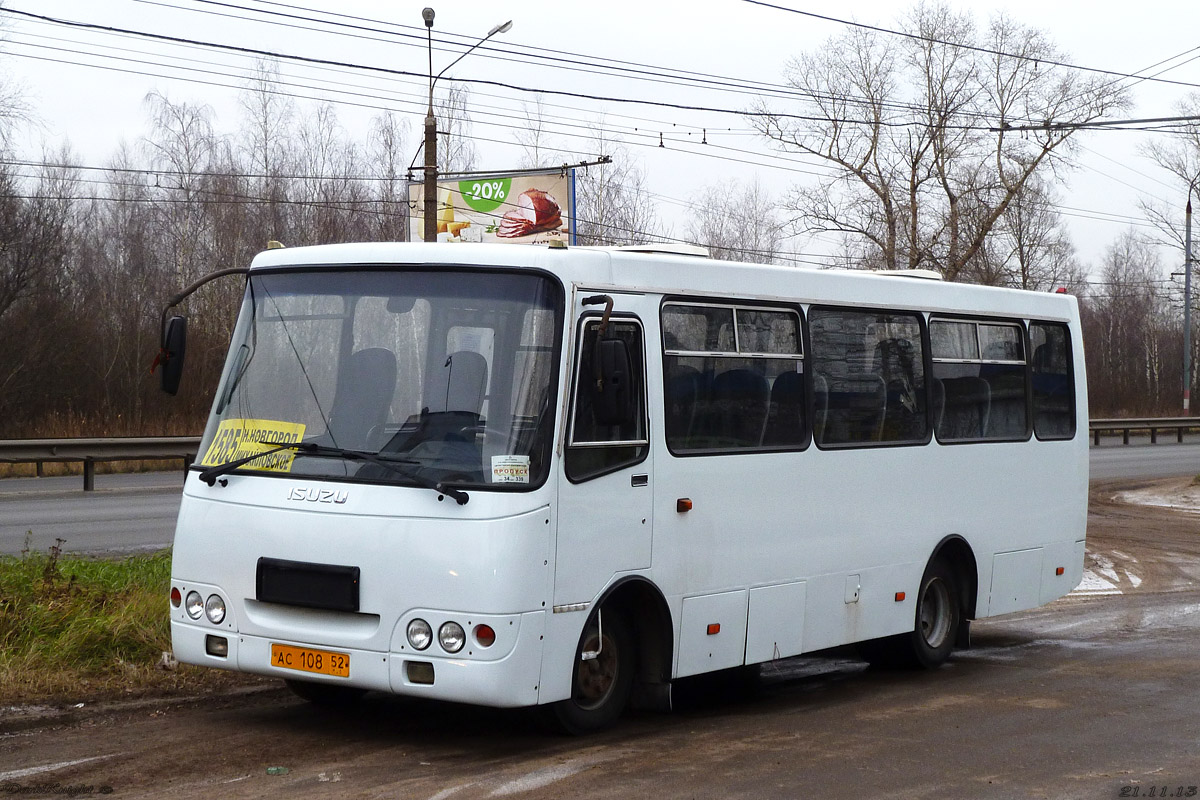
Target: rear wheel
x=602, y=677
x=938, y=616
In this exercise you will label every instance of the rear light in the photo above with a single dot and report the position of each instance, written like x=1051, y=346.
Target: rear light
x=484, y=635
x=176, y=597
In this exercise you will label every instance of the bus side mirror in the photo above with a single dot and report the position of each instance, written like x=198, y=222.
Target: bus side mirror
x=614, y=403
x=174, y=348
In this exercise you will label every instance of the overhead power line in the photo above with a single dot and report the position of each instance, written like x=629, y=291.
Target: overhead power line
x=480, y=81
x=973, y=48
x=1108, y=123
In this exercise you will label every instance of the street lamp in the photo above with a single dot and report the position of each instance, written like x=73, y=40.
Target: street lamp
x=431, y=123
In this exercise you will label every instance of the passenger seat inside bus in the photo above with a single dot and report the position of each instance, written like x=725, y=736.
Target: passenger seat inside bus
x=738, y=409
x=785, y=419
x=966, y=406
x=365, y=387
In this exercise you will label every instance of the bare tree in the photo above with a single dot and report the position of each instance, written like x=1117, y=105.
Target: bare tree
x=612, y=204
x=918, y=176
x=1132, y=332
x=534, y=138
x=737, y=223
x=455, y=150
x=386, y=156
x=1029, y=248
x=1179, y=155
x=181, y=144
x=266, y=144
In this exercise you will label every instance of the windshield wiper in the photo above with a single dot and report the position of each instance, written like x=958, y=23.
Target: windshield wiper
x=395, y=465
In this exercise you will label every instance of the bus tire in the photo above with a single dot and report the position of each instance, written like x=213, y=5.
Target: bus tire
x=325, y=695
x=600, y=687
x=937, y=619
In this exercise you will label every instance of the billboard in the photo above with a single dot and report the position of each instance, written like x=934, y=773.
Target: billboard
x=509, y=208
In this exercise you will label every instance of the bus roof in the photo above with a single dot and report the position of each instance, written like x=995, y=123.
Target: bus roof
x=678, y=274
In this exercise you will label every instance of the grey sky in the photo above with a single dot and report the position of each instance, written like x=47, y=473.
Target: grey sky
x=94, y=109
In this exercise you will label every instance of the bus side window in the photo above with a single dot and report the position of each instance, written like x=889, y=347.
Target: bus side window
x=1053, y=383
x=869, y=377
x=595, y=448
x=733, y=378
x=979, y=380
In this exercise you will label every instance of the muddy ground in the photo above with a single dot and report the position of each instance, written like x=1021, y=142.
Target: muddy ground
x=1091, y=696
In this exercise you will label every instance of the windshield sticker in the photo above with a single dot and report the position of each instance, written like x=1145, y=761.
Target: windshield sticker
x=239, y=438
x=510, y=469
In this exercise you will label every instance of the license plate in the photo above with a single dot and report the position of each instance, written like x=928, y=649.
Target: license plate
x=306, y=659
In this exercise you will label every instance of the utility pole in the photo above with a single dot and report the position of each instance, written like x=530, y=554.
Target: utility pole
x=1187, y=306
x=430, y=190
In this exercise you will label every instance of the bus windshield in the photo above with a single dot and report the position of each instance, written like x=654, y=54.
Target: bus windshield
x=438, y=377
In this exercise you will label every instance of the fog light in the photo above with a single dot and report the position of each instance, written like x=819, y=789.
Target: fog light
x=176, y=597
x=452, y=637
x=419, y=634
x=419, y=672
x=485, y=635
x=215, y=609
x=195, y=605
x=216, y=646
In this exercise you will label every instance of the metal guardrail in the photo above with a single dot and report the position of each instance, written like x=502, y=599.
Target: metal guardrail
x=133, y=448
x=89, y=451
x=1153, y=424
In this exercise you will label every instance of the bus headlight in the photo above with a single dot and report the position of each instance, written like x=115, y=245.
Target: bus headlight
x=452, y=637
x=194, y=605
x=419, y=634
x=215, y=609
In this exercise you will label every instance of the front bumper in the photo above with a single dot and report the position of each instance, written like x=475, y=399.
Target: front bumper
x=511, y=680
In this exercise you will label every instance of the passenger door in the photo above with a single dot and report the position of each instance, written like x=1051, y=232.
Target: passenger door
x=605, y=501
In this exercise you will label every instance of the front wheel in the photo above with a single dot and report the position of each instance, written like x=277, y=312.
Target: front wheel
x=602, y=676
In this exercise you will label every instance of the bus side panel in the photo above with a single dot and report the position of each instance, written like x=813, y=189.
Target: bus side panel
x=1015, y=581
x=775, y=623
x=1066, y=557
x=712, y=633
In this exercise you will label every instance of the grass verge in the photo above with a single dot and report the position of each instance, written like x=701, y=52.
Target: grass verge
x=80, y=629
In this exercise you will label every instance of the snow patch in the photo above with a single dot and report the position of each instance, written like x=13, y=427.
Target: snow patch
x=1183, y=496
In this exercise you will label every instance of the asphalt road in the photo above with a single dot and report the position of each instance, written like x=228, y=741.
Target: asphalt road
x=137, y=512
x=1140, y=459
x=125, y=513
x=1093, y=696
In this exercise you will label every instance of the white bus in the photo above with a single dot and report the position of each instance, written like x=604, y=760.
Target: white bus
x=516, y=476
